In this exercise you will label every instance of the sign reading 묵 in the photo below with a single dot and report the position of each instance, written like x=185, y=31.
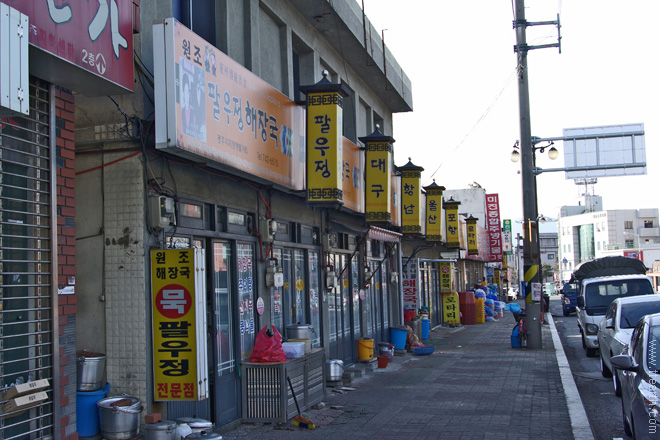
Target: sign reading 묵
x=493, y=226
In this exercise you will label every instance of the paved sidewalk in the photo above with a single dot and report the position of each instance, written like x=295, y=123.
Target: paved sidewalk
x=474, y=386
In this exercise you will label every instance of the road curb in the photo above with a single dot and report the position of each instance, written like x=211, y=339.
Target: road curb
x=579, y=421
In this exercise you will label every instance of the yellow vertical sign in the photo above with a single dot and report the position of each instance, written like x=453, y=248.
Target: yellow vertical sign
x=174, y=324
x=411, y=198
x=395, y=205
x=378, y=170
x=434, y=211
x=450, y=308
x=472, y=242
x=451, y=213
x=325, y=102
x=445, y=276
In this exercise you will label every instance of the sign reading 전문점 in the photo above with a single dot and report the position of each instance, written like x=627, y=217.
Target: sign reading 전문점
x=176, y=322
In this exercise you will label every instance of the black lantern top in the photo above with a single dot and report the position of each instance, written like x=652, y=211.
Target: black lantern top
x=377, y=136
x=434, y=188
x=471, y=219
x=451, y=201
x=326, y=86
x=410, y=167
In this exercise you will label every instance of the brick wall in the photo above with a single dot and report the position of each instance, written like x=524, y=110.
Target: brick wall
x=66, y=259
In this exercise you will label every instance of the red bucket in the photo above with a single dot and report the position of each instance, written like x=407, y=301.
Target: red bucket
x=382, y=361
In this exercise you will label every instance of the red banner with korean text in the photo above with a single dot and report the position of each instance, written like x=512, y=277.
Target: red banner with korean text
x=493, y=226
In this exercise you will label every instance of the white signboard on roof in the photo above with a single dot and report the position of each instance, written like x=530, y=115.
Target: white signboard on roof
x=614, y=150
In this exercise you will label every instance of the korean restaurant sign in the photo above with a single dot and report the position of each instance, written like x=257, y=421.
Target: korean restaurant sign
x=411, y=198
x=434, y=211
x=472, y=238
x=179, y=324
x=378, y=171
x=453, y=229
x=445, y=276
x=352, y=184
x=325, y=102
x=210, y=108
x=493, y=226
x=507, y=237
x=450, y=307
x=411, y=284
x=96, y=37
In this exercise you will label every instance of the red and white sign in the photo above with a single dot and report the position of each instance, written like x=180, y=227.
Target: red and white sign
x=494, y=227
x=173, y=301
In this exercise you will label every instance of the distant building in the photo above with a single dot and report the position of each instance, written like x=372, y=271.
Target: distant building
x=585, y=234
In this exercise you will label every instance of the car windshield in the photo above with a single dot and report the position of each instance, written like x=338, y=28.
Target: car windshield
x=601, y=294
x=631, y=313
x=653, y=352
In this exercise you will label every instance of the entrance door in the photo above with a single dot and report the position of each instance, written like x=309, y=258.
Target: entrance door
x=227, y=396
x=339, y=312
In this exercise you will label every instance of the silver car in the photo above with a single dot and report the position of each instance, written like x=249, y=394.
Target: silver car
x=640, y=381
x=617, y=326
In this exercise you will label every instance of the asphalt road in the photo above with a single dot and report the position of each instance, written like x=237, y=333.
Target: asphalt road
x=603, y=408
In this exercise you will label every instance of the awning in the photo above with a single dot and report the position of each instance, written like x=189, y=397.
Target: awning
x=381, y=234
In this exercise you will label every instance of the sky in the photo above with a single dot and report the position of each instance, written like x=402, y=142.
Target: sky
x=465, y=117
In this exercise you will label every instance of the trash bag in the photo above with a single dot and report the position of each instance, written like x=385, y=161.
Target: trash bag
x=268, y=346
x=512, y=307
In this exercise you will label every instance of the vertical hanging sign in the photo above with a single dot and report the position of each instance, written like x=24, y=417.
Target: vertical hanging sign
x=179, y=324
x=450, y=308
x=434, y=211
x=507, y=246
x=411, y=284
x=493, y=226
x=325, y=101
x=378, y=150
x=445, y=276
x=451, y=213
x=411, y=198
x=472, y=242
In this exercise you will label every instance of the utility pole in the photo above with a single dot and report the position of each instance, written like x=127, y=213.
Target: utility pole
x=531, y=252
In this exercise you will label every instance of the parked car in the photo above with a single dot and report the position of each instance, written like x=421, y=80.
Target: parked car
x=616, y=327
x=640, y=381
x=569, y=294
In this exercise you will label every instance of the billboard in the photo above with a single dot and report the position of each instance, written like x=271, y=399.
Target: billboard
x=614, y=150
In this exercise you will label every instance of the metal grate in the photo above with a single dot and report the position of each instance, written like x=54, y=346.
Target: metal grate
x=26, y=305
x=263, y=393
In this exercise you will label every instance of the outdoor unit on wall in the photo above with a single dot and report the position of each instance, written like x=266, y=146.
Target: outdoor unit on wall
x=268, y=229
x=162, y=212
x=14, y=71
x=330, y=241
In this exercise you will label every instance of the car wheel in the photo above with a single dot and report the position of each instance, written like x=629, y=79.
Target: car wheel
x=626, y=426
x=603, y=368
x=591, y=352
x=566, y=312
x=617, y=385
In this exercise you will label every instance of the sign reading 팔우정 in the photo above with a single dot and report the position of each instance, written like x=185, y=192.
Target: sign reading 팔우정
x=179, y=324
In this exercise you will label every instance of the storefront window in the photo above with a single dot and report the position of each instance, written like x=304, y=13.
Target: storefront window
x=314, y=303
x=246, y=298
x=223, y=307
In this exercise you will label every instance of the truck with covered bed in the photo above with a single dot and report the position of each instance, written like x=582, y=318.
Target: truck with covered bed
x=601, y=281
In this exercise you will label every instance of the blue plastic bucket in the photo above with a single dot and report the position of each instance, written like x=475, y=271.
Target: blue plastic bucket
x=87, y=413
x=426, y=328
x=398, y=338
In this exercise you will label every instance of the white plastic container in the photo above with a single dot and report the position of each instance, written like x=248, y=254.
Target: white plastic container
x=293, y=349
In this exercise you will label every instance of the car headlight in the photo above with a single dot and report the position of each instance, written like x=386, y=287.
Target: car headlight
x=567, y=300
x=651, y=396
x=592, y=329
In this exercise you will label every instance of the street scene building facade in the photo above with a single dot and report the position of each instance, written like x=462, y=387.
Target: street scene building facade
x=195, y=173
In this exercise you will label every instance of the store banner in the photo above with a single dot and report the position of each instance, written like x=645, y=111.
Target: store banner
x=352, y=176
x=325, y=102
x=472, y=239
x=411, y=199
x=434, y=211
x=453, y=229
x=179, y=324
x=507, y=237
x=494, y=227
x=378, y=158
x=411, y=284
x=450, y=308
x=445, y=276
x=211, y=109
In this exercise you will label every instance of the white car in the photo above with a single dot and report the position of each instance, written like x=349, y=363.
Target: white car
x=617, y=326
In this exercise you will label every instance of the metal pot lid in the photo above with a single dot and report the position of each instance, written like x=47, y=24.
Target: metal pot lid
x=200, y=423
x=162, y=425
x=203, y=435
x=108, y=402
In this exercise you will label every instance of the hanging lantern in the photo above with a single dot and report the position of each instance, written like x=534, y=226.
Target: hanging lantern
x=325, y=102
x=434, y=211
x=451, y=214
x=378, y=150
x=411, y=198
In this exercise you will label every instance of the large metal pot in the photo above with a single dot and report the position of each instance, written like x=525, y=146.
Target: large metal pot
x=163, y=430
x=90, y=370
x=334, y=369
x=299, y=331
x=119, y=422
